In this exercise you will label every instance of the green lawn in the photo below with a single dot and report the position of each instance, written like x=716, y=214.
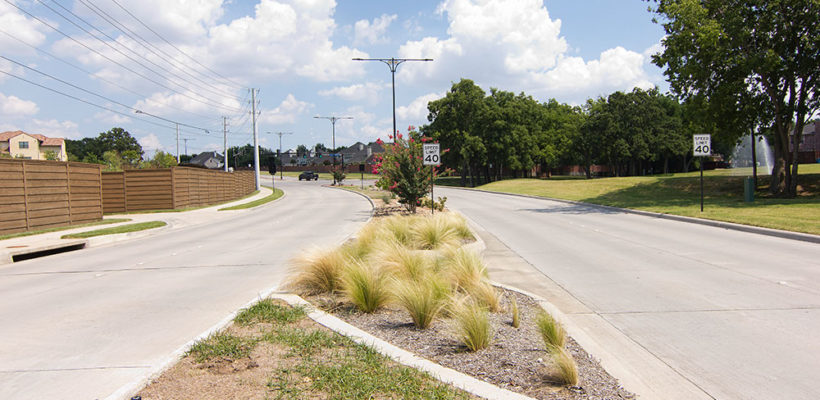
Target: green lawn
x=271, y=197
x=679, y=194
x=141, y=226
x=64, y=228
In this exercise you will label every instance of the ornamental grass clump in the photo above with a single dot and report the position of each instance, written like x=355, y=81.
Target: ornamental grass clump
x=433, y=233
x=403, y=263
x=465, y=268
x=318, y=270
x=485, y=295
x=398, y=228
x=516, y=314
x=365, y=285
x=551, y=331
x=566, y=371
x=471, y=323
x=423, y=299
x=457, y=223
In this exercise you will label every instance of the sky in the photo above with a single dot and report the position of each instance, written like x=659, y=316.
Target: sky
x=73, y=69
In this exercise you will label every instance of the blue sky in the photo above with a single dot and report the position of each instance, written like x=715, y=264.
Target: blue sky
x=298, y=54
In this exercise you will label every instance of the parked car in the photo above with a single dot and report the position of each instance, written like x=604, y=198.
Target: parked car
x=309, y=175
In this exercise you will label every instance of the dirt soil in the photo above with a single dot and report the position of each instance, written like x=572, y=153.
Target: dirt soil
x=517, y=360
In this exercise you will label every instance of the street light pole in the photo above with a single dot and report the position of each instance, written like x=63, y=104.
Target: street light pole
x=281, y=166
x=175, y=123
x=333, y=120
x=393, y=64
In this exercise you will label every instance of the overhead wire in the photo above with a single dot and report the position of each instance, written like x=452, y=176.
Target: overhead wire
x=147, y=45
x=104, y=56
x=109, y=45
x=172, y=45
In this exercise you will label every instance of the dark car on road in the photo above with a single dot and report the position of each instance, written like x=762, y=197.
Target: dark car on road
x=309, y=175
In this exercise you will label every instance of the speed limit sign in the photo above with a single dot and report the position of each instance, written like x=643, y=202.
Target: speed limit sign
x=702, y=145
x=431, y=154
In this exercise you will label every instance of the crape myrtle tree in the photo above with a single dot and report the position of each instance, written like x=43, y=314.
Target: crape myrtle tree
x=401, y=169
x=753, y=58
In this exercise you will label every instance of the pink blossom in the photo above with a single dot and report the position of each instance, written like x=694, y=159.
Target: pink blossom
x=411, y=128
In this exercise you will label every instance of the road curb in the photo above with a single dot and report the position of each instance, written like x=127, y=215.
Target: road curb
x=805, y=237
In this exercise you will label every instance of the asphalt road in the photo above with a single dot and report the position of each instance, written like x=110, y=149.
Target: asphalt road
x=81, y=325
x=736, y=314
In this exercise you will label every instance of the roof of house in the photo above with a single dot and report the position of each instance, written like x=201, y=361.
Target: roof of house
x=46, y=141
x=201, y=158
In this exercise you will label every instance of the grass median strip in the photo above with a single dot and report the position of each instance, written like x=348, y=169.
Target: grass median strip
x=64, y=228
x=141, y=226
x=679, y=194
x=277, y=193
x=274, y=351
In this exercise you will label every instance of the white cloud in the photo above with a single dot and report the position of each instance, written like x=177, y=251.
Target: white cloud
x=286, y=112
x=150, y=142
x=55, y=128
x=366, y=32
x=416, y=112
x=14, y=106
x=189, y=101
x=112, y=118
x=516, y=46
x=25, y=29
x=358, y=92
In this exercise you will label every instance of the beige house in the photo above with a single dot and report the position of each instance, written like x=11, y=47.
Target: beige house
x=29, y=146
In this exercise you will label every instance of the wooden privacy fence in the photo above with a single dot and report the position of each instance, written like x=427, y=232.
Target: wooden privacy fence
x=43, y=194
x=172, y=188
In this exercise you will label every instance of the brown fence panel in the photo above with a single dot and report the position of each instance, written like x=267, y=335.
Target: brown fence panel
x=148, y=189
x=44, y=194
x=194, y=187
x=113, y=192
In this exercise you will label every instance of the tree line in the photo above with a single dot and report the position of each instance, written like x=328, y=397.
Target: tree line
x=634, y=133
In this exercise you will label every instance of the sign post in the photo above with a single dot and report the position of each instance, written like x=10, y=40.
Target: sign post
x=702, y=147
x=431, y=157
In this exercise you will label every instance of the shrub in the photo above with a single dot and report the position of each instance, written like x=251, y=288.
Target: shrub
x=424, y=299
x=365, y=285
x=431, y=233
x=435, y=205
x=318, y=271
x=566, y=371
x=551, y=331
x=471, y=323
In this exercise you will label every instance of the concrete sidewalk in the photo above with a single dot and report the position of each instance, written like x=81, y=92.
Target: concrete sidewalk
x=174, y=220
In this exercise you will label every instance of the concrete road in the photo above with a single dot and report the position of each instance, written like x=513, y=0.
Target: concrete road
x=734, y=314
x=81, y=325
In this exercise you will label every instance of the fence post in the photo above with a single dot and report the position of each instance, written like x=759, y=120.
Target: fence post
x=68, y=190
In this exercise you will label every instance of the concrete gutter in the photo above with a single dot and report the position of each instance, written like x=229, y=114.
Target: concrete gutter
x=805, y=237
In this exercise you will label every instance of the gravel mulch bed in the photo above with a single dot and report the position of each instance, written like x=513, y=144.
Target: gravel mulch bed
x=517, y=360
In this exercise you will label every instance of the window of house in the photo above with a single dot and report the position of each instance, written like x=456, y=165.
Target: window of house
x=23, y=145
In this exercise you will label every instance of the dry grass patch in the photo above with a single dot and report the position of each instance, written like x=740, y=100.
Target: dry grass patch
x=318, y=270
x=365, y=285
x=471, y=324
x=552, y=332
x=423, y=299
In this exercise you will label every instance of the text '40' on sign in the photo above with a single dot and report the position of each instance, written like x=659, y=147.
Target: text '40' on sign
x=431, y=154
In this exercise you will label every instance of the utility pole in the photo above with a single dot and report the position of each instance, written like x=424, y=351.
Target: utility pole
x=177, y=142
x=393, y=64
x=225, y=141
x=333, y=120
x=175, y=123
x=281, y=166
x=255, y=141
x=186, y=144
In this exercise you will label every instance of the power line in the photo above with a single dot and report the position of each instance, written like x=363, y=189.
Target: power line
x=106, y=57
x=215, y=103
x=81, y=69
x=147, y=45
x=170, y=44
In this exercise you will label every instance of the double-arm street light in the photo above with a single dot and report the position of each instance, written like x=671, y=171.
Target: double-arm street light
x=333, y=120
x=281, y=166
x=175, y=123
x=393, y=64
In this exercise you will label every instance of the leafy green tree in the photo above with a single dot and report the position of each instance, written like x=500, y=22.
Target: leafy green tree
x=131, y=158
x=456, y=121
x=92, y=149
x=759, y=56
x=112, y=161
x=301, y=150
x=160, y=159
x=51, y=155
x=401, y=170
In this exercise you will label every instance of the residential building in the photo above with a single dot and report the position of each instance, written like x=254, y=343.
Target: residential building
x=208, y=159
x=30, y=146
x=809, y=146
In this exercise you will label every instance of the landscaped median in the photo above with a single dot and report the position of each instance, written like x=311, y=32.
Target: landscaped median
x=277, y=193
x=415, y=282
x=140, y=226
x=679, y=194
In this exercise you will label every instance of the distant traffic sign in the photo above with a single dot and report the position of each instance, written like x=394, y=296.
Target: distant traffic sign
x=702, y=145
x=431, y=154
